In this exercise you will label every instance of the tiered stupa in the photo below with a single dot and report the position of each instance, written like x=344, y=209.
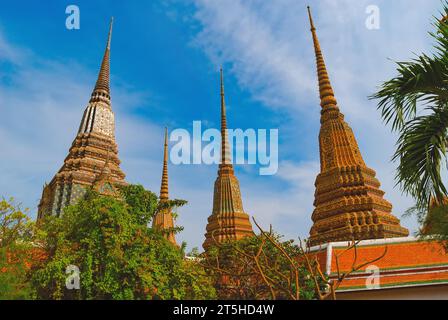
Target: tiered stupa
x=228, y=220
x=349, y=203
x=93, y=157
x=163, y=220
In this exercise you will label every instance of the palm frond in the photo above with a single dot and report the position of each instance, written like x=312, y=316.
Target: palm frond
x=421, y=149
x=423, y=79
x=415, y=103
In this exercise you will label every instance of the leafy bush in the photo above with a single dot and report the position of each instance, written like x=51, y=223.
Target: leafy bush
x=118, y=255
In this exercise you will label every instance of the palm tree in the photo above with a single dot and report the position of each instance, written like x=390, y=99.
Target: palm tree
x=415, y=103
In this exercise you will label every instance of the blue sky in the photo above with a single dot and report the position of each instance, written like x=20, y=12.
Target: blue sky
x=165, y=61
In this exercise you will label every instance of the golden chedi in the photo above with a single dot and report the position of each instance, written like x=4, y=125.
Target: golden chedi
x=164, y=220
x=349, y=203
x=228, y=220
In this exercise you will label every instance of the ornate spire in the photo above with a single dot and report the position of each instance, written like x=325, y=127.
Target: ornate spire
x=163, y=220
x=225, y=152
x=109, y=37
x=349, y=203
x=98, y=116
x=326, y=91
x=93, y=146
x=103, y=82
x=164, y=185
x=228, y=220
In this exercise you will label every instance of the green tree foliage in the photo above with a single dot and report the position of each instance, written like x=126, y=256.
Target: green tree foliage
x=119, y=256
x=15, y=225
x=415, y=103
x=434, y=222
x=16, y=230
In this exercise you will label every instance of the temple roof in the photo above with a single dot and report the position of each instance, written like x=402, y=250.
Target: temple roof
x=407, y=262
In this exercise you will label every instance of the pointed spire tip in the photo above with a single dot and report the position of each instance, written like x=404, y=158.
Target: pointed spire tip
x=166, y=136
x=222, y=81
x=325, y=89
x=109, y=38
x=311, y=18
x=164, y=184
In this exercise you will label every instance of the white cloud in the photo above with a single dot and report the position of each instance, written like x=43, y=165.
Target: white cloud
x=285, y=200
x=9, y=52
x=265, y=64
